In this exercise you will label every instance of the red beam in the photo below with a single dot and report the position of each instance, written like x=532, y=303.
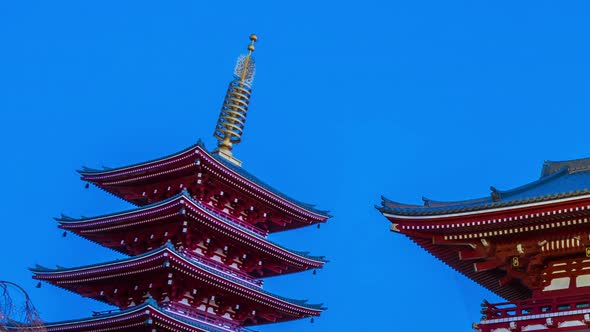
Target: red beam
x=278, y=221
x=276, y=268
x=488, y=265
x=471, y=254
x=268, y=317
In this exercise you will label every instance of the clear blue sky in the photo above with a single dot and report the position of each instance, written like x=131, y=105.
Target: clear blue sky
x=352, y=100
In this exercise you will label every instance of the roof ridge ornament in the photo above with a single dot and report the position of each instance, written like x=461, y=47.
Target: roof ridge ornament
x=232, y=116
x=569, y=166
x=495, y=194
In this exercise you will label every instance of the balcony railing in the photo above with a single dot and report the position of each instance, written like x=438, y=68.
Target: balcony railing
x=191, y=314
x=227, y=217
x=223, y=268
x=534, y=307
x=204, y=317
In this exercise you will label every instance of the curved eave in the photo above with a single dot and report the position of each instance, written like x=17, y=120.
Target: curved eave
x=97, y=176
x=89, y=173
x=167, y=251
x=560, y=184
x=100, y=321
x=321, y=214
x=122, y=319
x=489, y=208
x=252, y=181
x=432, y=235
x=41, y=270
x=75, y=225
x=488, y=279
x=67, y=220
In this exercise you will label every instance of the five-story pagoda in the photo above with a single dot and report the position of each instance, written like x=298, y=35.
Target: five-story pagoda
x=197, y=241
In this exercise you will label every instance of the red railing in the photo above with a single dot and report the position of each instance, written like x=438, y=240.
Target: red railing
x=204, y=317
x=223, y=268
x=192, y=313
x=220, y=213
x=534, y=307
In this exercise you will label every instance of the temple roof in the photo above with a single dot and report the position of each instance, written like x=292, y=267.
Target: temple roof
x=105, y=169
x=167, y=250
x=90, y=173
x=146, y=309
x=558, y=180
x=66, y=220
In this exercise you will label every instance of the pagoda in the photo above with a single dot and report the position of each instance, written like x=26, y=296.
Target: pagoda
x=197, y=240
x=529, y=245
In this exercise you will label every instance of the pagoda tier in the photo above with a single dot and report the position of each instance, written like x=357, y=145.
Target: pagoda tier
x=209, y=178
x=146, y=317
x=178, y=279
x=530, y=245
x=200, y=228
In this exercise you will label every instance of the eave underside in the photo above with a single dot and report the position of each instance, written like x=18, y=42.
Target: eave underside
x=152, y=273
x=143, y=318
x=489, y=279
x=187, y=164
x=484, y=247
x=146, y=227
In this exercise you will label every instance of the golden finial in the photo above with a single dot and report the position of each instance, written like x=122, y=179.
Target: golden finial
x=232, y=117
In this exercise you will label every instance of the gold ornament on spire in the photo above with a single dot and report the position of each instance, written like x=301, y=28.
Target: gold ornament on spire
x=232, y=117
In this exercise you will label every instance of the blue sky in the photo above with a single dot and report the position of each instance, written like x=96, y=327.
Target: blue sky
x=352, y=100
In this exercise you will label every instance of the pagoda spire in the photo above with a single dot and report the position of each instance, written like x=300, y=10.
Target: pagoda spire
x=232, y=116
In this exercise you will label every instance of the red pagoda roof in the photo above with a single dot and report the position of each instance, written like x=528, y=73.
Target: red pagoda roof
x=157, y=267
x=114, y=230
x=141, y=318
x=477, y=237
x=130, y=183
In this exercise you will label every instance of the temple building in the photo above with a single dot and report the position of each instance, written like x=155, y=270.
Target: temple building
x=529, y=245
x=197, y=241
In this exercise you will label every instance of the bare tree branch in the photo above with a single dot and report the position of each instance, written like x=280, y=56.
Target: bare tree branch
x=17, y=312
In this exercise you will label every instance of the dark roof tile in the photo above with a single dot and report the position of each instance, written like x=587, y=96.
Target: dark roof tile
x=558, y=180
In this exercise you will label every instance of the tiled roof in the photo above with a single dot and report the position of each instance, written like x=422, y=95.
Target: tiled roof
x=168, y=246
x=239, y=170
x=149, y=303
x=245, y=174
x=89, y=171
x=558, y=180
x=184, y=194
